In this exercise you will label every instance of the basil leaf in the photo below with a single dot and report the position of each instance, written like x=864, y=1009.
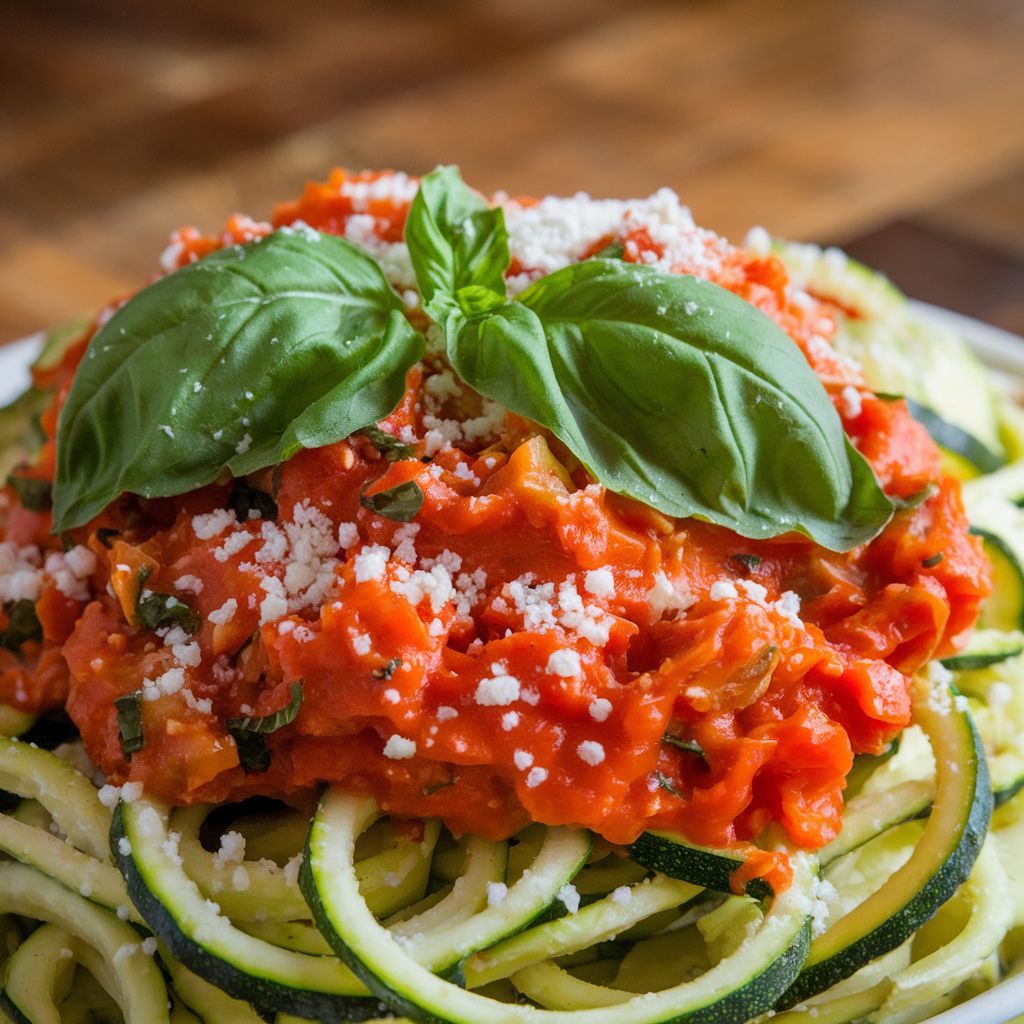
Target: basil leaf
x=400, y=503
x=246, y=499
x=253, y=752
x=266, y=724
x=35, y=495
x=22, y=625
x=455, y=240
x=163, y=611
x=689, y=746
x=676, y=392
x=236, y=361
x=129, y=722
x=387, y=444
x=250, y=734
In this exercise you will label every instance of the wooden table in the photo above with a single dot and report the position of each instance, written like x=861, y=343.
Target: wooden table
x=893, y=128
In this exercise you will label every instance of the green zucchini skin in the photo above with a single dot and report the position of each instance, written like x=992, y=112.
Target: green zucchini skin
x=674, y=856
x=1004, y=608
x=409, y=990
x=267, y=996
x=955, y=439
x=952, y=861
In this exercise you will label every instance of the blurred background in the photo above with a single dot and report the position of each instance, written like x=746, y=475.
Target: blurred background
x=894, y=128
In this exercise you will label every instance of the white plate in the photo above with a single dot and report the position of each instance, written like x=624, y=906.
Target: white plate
x=1002, y=351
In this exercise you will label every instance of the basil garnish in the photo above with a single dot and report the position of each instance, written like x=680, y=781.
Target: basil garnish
x=393, y=449
x=22, y=625
x=668, y=388
x=676, y=392
x=250, y=733
x=154, y=610
x=400, y=503
x=456, y=240
x=236, y=361
x=129, y=722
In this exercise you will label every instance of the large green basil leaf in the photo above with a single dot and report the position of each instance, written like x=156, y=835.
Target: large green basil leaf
x=234, y=362
x=455, y=241
x=676, y=392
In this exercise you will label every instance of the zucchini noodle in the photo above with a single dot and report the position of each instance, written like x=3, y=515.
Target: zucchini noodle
x=246, y=913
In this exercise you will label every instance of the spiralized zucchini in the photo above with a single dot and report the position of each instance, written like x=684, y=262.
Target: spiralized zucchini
x=155, y=915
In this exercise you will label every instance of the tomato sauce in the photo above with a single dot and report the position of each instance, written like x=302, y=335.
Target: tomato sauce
x=531, y=647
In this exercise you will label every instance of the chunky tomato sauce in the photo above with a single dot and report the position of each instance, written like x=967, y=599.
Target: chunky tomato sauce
x=529, y=648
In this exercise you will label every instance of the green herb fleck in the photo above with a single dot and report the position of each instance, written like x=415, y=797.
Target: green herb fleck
x=393, y=449
x=749, y=562
x=689, y=746
x=163, y=611
x=35, y=495
x=399, y=503
x=667, y=784
x=250, y=732
x=22, y=625
x=385, y=672
x=246, y=499
x=129, y=722
x=933, y=560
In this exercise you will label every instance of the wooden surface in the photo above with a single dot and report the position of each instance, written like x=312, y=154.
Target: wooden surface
x=892, y=127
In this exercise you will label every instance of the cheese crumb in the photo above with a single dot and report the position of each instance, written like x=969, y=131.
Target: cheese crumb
x=535, y=777
x=591, y=752
x=564, y=663
x=600, y=709
x=600, y=582
x=398, y=748
x=570, y=897
x=498, y=689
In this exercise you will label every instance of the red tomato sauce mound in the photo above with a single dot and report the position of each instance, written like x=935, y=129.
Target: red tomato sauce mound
x=532, y=647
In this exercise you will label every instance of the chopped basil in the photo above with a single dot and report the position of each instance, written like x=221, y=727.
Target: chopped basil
x=35, y=495
x=385, y=672
x=246, y=499
x=249, y=733
x=129, y=722
x=933, y=560
x=749, y=562
x=392, y=448
x=690, y=746
x=22, y=625
x=400, y=503
x=253, y=752
x=154, y=610
x=667, y=784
